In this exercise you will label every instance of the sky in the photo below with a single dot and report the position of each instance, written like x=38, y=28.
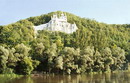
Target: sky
x=107, y=11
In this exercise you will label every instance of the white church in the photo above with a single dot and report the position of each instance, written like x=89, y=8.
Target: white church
x=58, y=24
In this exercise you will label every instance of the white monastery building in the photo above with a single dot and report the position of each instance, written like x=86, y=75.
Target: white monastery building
x=58, y=24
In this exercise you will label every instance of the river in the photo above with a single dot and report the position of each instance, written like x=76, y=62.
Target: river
x=120, y=77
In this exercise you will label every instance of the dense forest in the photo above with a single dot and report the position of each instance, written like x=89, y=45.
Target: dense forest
x=94, y=47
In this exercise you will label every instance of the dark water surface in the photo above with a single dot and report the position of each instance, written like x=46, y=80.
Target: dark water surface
x=122, y=77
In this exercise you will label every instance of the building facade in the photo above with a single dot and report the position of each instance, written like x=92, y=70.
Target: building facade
x=58, y=24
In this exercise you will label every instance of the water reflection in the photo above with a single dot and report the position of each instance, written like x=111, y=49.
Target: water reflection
x=97, y=78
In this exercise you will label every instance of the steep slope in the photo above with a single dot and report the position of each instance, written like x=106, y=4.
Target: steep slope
x=93, y=32
x=94, y=47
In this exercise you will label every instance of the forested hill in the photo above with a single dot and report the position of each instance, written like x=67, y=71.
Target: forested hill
x=94, y=47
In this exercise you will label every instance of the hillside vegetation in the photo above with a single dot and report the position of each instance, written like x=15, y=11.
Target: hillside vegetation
x=94, y=47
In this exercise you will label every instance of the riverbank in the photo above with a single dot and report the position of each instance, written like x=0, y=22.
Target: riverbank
x=41, y=73
x=15, y=78
x=121, y=77
x=4, y=78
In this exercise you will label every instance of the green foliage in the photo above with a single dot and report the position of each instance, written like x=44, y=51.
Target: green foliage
x=16, y=60
x=4, y=53
x=26, y=65
x=59, y=62
x=94, y=47
x=19, y=32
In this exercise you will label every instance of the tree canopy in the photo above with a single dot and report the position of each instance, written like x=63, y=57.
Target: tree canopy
x=94, y=47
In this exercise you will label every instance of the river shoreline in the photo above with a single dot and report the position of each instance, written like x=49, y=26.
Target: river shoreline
x=40, y=73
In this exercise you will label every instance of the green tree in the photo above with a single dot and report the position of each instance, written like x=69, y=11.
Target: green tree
x=4, y=53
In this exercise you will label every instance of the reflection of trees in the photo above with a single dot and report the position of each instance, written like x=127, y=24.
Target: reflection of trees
x=119, y=77
x=29, y=80
x=25, y=79
x=5, y=78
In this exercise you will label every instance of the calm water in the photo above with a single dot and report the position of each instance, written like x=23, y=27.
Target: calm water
x=97, y=78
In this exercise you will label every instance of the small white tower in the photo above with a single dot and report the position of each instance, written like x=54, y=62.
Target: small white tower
x=54, y=17
x=63, y=17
